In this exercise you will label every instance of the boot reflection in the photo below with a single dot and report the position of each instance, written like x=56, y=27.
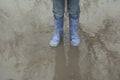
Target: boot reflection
x=73, y=63
x=60, y=64
x=62, y=71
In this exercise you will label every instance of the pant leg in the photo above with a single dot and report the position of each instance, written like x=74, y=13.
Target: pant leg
x=73, y=8
x=58, y=8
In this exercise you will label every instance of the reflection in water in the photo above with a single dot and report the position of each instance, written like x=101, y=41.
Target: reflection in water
x=62, y=71
x=73, y=63
x=60, y=64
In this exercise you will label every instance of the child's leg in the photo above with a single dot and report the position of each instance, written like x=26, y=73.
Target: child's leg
x=74, y=10
x=58, y=8
x=58, y=11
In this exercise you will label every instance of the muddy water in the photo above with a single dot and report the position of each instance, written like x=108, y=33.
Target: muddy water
x=32, y=58
x=25, y=31
x=64, y=71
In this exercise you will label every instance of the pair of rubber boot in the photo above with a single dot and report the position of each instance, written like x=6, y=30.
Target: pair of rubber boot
x=58, y=32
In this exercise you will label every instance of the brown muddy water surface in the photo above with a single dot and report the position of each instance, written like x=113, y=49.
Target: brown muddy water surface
x=25, y=30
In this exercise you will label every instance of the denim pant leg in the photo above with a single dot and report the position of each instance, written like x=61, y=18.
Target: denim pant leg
x=58, y=8
x=73, y=8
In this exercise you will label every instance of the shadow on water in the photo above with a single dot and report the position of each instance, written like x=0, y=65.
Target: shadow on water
x=70, y=71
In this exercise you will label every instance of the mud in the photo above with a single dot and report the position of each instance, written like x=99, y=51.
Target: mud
x=25, y=31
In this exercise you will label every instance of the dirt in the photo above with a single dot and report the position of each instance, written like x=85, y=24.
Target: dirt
x=25, y=53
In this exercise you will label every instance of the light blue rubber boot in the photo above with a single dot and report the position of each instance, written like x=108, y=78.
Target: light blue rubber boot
x=58, y=33
x=74, y=37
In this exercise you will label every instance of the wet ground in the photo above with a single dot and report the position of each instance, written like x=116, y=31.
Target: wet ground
x=25, y=30
x=29, y=57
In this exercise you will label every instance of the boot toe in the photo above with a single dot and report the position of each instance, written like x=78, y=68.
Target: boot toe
x=54, y=42
x=75, y=42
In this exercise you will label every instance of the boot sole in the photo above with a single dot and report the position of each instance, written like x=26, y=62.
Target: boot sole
x=75, y=45
x=53, y=45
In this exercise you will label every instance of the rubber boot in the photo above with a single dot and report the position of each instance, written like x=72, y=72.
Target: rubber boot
x=58, y=33
x=74, y=37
